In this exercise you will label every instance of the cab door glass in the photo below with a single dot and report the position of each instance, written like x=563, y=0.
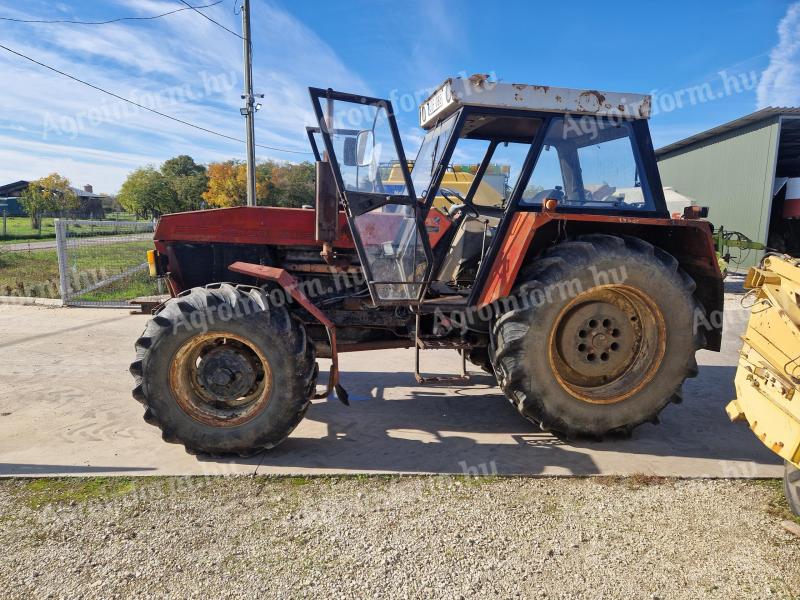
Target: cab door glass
x=365, y=149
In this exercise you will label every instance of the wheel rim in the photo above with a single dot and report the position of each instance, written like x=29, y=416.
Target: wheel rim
x=220, y=379
x=607, y=344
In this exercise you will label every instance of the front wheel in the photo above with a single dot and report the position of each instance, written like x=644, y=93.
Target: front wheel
x=222, y=370
x=600, y=336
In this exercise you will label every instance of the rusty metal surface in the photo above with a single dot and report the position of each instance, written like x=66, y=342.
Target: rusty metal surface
x=607, y=344
x=291, y=286
x=220, y=379
x=480, y=91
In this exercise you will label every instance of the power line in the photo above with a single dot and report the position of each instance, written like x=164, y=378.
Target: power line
x=166, y=14
x=217, y=23
x=147, y=108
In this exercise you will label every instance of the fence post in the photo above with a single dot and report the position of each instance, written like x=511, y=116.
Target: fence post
x=63, y=266
x=5, y=217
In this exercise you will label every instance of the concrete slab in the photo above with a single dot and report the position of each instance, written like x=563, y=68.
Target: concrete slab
x=66, y=409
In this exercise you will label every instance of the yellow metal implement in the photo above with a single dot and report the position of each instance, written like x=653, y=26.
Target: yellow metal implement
x=768, y=377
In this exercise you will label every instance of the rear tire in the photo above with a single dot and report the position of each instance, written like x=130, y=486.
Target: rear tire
x=222, y=370
x=602, y=337
x=791, y=486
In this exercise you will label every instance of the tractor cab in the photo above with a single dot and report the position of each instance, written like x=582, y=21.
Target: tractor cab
x=429, y=228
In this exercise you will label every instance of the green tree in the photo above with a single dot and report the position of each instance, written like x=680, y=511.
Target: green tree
x=187, y=179
x=48, y=194
x=181, y=166
x=297, y=184
x=288, y=185
x=147, y=192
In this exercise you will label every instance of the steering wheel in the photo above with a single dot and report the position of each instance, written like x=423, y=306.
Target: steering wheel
x=447, y=193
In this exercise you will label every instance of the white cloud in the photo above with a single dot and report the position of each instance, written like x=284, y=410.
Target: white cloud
x=780, y=81
x=56, y=124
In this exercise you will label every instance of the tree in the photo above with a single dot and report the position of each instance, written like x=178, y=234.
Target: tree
x=187, y=179
x=181, y=166
x=48, y=194
x=147, y=192
x=293, y=184
x=227, y=184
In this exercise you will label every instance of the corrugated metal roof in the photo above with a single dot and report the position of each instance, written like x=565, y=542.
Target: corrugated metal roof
x=759, y=115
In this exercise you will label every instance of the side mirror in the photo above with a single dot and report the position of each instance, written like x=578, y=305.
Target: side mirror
x=365, y=145
x=350, y=153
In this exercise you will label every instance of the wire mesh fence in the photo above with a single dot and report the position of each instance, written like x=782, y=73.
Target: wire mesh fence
x=103, y=263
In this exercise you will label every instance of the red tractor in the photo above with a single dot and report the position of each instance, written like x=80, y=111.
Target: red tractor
x=573, y=284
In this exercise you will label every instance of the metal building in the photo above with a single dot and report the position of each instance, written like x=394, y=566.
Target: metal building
x=740, y=170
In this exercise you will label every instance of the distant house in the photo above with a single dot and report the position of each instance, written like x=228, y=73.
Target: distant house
x=11, y=207
x=90, y=204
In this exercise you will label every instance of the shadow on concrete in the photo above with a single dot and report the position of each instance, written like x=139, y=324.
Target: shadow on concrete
x=475, y=430
x=734, y=284
x=27, y=470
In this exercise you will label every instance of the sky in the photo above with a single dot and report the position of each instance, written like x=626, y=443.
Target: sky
x=705, y=63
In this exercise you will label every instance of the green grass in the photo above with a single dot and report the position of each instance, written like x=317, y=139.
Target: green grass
x=37, y=493
x=777, y=506
x=19, y=230
x=35, y=273
x=32, y=273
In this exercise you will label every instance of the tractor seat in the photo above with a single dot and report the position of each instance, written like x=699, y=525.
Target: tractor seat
x=463, y=258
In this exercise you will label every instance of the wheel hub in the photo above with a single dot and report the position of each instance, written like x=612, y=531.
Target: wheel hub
x=597, y=340
x=606, y=344
x=220, y=379
x=226, y=373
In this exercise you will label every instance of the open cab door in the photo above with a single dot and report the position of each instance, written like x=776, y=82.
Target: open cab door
x=362, y=144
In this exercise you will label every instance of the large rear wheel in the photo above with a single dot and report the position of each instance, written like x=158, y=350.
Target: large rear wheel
x=601, y=337
x=224, y=371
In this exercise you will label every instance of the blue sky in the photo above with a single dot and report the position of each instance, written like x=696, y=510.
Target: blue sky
x=188, y=67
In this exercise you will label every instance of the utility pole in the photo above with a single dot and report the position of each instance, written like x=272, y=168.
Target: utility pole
x=249, y=111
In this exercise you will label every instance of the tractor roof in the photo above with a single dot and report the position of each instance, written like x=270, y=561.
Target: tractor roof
x=478, y=90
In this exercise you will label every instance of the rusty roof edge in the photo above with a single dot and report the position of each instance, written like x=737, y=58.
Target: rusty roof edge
x=758, y=116
x=479, y=90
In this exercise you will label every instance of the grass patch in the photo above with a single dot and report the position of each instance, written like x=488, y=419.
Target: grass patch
x=35, y=273
x=19, y=230
x=633, y=482
x=777, y=506
x=37, y=493
x=32, y=273
x=298, y=481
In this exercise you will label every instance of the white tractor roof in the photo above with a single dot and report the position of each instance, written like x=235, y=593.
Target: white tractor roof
x=478, y=90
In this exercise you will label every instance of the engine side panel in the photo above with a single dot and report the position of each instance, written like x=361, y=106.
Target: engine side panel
x=263, y=225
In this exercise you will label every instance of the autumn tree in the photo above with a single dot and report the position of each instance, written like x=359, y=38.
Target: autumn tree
x=48, y=194
x=147, y=192
x=227, y=184
x=277, y=184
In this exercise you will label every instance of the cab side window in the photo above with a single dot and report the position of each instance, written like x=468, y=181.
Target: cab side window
x=589, y=163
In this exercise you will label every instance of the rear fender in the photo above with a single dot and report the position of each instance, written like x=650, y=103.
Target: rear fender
x=690, y=241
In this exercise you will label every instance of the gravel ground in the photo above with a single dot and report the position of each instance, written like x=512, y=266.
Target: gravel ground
x=414, y=537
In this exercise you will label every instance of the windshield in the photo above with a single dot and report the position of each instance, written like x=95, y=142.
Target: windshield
x=430, y=153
